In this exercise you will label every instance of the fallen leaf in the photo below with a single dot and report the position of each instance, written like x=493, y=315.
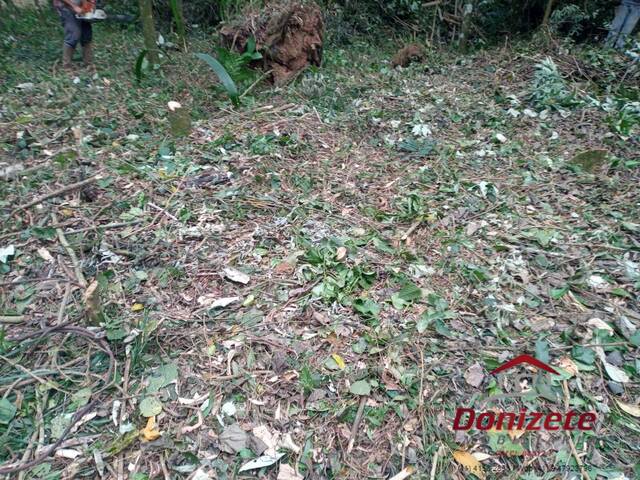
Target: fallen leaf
x=45, y=255
x=136, y=307
x=616, y=374
x=284, y=267
x=229, y=409
x=92, y=303
x=474, y=375
x=210, y=301
x=567, y=364
x=288, y=443
x=250, y=300
x=501, y=138
x=236, y=275
x=270, y=439
x=633, y=410
x=339, y=361
x=233, y=439
x=163, y=376
x=469, y=462
x=404, y=473
x=481, y=457
x=150, y=432
x=69, y=453
x=598, y=283
x=6, y=252
x=200, y=474
x=260, y=462
x=287, y=472
x=341, y=252
x=598, y=324
x=26, y=86
x=626, y=328
x=472, y=228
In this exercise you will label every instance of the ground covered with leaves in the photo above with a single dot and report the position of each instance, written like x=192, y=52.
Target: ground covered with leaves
x=311, y=283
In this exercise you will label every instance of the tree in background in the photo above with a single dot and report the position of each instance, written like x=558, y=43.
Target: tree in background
x=149, y=30
x=547, y=14
x=177, y=10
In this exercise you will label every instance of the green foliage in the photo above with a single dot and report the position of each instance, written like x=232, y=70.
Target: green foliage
x=568, y=20
x=549, y=89
x=237, y=63
x=226, y=80
x=232, y=68
x=177, y=12
x=437, y=312
x=340, y=282
x=624, y=115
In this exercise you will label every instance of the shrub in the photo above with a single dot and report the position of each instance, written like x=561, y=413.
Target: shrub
x=550, y=90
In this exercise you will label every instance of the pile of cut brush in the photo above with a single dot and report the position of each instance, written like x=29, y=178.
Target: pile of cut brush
x=288, y=34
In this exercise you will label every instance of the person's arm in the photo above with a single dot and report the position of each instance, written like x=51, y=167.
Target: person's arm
x=72, y=6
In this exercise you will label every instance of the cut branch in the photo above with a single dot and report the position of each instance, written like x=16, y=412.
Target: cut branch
x=57, y=193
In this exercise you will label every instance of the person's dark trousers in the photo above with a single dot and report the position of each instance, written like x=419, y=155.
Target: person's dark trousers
x=75, y=31
x=627, y=16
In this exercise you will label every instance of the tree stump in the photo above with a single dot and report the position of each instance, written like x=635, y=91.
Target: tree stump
x=288, y=34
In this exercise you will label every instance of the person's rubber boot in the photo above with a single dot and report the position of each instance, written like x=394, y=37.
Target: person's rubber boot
x=67, y=57
x=87, y=56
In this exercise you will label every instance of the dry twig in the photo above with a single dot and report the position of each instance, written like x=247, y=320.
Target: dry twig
x=57, y=193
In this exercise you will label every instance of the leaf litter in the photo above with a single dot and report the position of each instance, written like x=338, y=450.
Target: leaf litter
x=403, y=238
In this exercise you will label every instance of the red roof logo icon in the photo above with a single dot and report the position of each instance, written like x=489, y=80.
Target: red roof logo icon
x=524, y=359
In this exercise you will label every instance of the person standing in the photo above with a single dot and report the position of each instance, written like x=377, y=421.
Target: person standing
x=627, y=16
x=75, y=31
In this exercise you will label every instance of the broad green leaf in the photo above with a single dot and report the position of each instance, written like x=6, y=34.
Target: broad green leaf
x=410, y=292
x=251, y=44
x=442, y=329
x=423, y=323
x=361, y=387
x=80, y=398
x=383, y=246
x=59, y=424
x=331, y=364
x=583, y=355
x=360, y=346
x=162, y=377
x=226, y=80
x=397, y=302
x=542, y=350
x=621, y=292
x=7, y=411
x=366, y=307
x=150, y=406
x=44, y=233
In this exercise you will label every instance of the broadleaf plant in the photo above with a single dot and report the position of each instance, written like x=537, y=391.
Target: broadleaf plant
x=226, y=80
